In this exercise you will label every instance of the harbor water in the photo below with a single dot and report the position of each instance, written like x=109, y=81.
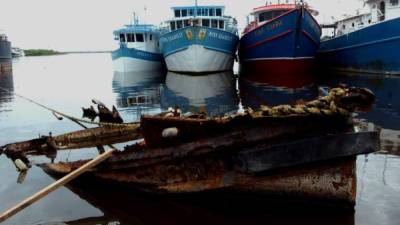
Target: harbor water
x=69, y=82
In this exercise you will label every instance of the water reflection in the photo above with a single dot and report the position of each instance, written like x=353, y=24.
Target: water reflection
x=123, y=206
x=6, y=95
x=386, y=112
x=213, y=93
x=138, y=92
x=255, y=94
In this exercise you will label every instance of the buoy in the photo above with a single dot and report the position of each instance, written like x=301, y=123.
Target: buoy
x=21, y=166
x=170, y=132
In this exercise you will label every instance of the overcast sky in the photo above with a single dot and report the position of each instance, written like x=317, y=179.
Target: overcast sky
x=69, y=25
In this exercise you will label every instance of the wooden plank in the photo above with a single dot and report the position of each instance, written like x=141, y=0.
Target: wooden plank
x=269, y=157
x=42, y=193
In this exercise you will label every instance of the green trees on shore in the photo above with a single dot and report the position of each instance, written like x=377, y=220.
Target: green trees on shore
x=40, y=52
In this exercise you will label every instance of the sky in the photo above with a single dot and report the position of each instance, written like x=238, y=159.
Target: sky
x=80, y=25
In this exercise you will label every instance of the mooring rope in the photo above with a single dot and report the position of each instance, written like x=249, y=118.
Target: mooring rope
x=65, y=115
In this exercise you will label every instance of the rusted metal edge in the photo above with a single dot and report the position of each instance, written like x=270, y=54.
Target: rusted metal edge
x=263, y=158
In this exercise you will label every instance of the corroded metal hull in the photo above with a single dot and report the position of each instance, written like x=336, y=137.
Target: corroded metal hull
x=312, y=172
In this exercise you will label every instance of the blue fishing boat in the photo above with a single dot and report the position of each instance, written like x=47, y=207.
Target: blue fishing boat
x=368, y=42
x=199, y=39
x=279, y=44
x=5, y=47
x=138, y=48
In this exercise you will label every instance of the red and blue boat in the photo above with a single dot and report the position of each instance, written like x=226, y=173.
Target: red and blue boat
x=278, y=46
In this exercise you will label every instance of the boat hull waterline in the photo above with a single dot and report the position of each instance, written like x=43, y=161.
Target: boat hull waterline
x=373, y=49
x=127, y=60
x=281, y=50
x=199, y=50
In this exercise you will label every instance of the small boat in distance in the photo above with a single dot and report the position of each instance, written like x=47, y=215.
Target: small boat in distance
x=138, y=48
x=17, y=52
x=279, y=44
x=5, y=47
x=200, y=39
x=367, y=43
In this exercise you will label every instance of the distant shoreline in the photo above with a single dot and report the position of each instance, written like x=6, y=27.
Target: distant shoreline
x=49, y=52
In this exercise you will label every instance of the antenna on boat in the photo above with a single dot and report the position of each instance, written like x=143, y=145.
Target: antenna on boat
x=195, y=8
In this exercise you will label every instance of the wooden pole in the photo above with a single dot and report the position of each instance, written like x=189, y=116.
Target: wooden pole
x=27, y=202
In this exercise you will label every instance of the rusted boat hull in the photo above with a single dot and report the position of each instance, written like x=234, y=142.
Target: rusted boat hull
x=321, y=173
x=91, y=137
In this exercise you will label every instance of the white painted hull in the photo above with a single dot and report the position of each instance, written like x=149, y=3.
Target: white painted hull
x=128, y=64
x=197, y=59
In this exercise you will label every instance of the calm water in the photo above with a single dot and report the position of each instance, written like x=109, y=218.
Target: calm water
x=68, y=82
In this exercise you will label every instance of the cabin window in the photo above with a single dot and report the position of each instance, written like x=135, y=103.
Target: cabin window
x=122, y=37
x=130, y=38
x=151, y=37
x=214, y=23
x=221, y=24
x=352, y=24
x=177, y=13
x=191, y=12
x=172, y=24
x=394, y=2
x=211, y=12
x=186, y=23
x=265, y=16
x=139, y=38
x=179, y=24
x=184, y=13
x=198, y=12
x=369, y=21
x=205, y=23
x=218, y=12
x=344, y=26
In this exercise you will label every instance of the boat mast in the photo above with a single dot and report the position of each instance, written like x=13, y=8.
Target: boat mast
x=195, y=8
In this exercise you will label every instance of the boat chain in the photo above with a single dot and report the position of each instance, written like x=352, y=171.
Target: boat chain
x=65, y=115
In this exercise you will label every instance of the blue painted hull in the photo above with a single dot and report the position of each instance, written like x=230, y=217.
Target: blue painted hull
x=190, y=49
x=373, y=49
x=5, y=50
x=281, y=50
x=136, y=54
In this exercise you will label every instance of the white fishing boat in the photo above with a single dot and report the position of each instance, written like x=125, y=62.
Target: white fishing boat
x=199, y=39
x=138, y=48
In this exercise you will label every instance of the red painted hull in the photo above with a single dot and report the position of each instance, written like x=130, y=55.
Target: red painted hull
x=291, y=73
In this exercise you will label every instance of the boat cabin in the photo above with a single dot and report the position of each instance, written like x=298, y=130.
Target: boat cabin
x=140, y=36
x=206, y=16
x=263, y=14
x=378, y=11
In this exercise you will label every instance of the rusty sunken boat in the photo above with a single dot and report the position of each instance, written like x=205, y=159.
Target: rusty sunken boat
x=307, y=150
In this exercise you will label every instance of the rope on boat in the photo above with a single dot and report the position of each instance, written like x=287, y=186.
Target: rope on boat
x=65, y=115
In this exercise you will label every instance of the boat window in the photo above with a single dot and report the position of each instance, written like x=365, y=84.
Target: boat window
x=265, y=16
x=186, y=23
x=139, y=38
x=221, y=24
x=352, y=24
x=198, y=12
x=205, y=23
x=151, y=37
x=394, y=2
x=184, y=13
x=172, y=25
x=130, y=38
x=344, y=26
x=369, y=21
x=218, y=12
x=211, y=12
x=190, y=12
x=122, y=37
x=179, y=24
x=214, y=23
x=177, y=13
